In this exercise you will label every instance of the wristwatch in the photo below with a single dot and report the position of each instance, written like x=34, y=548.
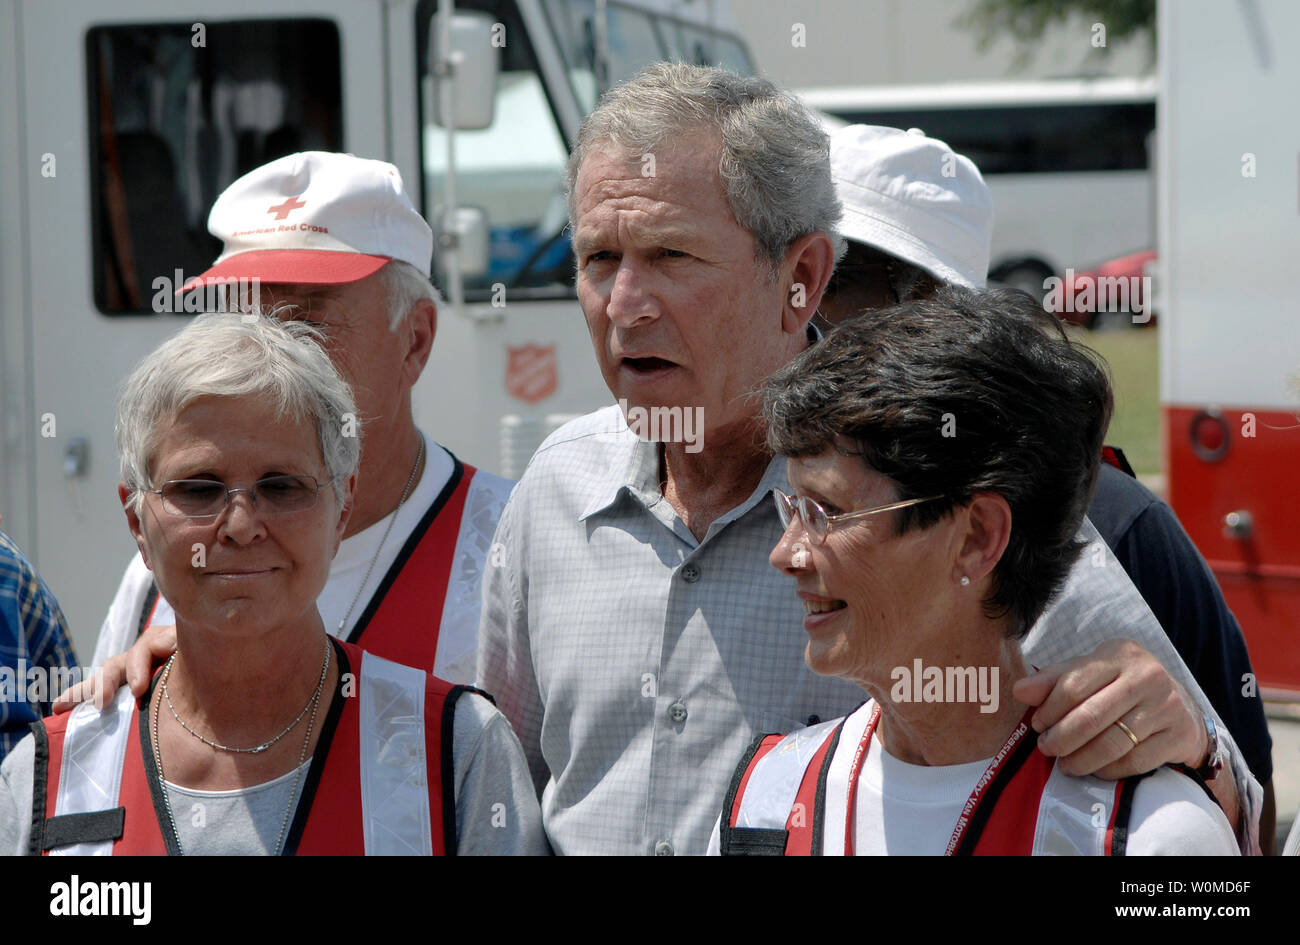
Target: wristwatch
x=1214, y=760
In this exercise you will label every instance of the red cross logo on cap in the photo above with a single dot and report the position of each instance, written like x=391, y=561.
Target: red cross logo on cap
x=282, y=211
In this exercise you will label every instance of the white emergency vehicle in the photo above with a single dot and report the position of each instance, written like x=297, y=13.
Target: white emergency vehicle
x=122, y=120
x=1229, y=209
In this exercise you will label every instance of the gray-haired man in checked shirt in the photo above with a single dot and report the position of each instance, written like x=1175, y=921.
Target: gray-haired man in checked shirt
x=635, y=635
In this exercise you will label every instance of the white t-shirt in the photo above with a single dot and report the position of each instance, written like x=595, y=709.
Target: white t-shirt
x=912, y=810
x=458, y=636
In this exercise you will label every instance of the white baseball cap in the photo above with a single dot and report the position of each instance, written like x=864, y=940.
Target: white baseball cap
x=915, y=198
x=316, y=218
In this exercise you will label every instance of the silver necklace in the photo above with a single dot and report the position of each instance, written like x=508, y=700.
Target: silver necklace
x=297, y=778
x=392, y=520
x=162, y=785
x=256, y=749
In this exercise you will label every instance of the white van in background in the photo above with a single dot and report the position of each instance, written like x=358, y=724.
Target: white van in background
x=122, y=120
x=1067, y=161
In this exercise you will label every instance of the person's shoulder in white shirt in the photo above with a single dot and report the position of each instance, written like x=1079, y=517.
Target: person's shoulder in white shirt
x=1172, y=816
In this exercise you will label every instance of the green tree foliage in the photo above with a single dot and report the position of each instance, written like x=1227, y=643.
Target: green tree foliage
x=1026, y=20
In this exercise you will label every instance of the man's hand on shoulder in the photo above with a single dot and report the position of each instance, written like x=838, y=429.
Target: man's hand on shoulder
x=133, y=668
x=1085, y=705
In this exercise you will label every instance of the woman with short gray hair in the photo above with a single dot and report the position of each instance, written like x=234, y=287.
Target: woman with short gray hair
x=288, y=741
x=247, y=356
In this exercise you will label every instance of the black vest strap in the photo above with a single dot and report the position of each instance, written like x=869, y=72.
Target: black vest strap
x=753, y=841
x=1123, y=812
x=321, y=754
x=726, y=833
x=1198, y=780
x=449, y=765
x=88, y=827
x=819, y=805
x=166, y=826
x=1114, y=456
x=40, y=778
x=150, y=598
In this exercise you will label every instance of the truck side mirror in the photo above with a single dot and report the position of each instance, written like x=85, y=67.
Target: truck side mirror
x=470, y=69
x=470, y=239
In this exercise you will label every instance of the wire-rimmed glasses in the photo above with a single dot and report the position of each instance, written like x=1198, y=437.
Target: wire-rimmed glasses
x=207, y=498
x=815, y=519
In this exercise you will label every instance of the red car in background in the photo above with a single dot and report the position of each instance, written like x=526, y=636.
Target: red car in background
x=1113, y=293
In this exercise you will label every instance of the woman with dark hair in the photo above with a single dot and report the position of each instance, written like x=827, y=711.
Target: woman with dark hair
x=942, y=455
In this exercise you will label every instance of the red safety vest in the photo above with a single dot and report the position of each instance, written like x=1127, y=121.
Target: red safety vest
x=414, y=590
x=998, y=825
x=1114, y=456
x=402, y=620
x=331, y=818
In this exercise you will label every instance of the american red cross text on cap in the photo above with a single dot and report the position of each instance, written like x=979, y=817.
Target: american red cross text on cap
x=283, y=210
x=351, y=216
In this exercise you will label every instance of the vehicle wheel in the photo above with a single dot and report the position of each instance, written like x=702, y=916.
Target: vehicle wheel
x=1110, y=321
x=1027, y=276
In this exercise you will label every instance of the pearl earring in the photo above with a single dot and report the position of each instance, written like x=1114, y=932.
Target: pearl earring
x=965, y=581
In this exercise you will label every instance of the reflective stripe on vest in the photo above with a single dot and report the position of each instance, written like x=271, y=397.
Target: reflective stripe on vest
x=778, y=803
x=89, y=765
x=394, y=781
x=485, y=500
x=781, y=765
x=377, y=788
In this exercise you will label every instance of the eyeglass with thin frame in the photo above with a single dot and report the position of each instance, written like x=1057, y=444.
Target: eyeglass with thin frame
x=815, y=519
x=207, y=498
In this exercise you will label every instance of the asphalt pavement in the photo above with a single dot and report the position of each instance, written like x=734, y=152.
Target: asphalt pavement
x=1284, y=727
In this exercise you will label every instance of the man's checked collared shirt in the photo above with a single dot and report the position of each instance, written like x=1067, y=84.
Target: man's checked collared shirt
x=636, y=663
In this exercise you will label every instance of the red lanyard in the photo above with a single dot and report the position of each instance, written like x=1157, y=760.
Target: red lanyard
x=971, y=803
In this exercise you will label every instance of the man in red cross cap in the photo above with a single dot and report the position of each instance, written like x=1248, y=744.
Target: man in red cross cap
x=335, y=240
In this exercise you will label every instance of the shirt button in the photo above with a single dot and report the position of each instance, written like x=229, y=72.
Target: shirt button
x=663, y=848
x=677, y=712
x=691, y=573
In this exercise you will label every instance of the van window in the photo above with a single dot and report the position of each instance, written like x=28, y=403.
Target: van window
x=175, y=117
x=513, y=170
x=1032, y=139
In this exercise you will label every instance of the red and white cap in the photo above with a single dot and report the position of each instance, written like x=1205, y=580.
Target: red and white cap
x=316, y=218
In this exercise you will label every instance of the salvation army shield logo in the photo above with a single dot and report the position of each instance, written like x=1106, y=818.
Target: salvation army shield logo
x=532, y=372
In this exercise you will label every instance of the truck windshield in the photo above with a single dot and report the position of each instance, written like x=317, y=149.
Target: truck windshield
x=513, y=171
x=635, y=37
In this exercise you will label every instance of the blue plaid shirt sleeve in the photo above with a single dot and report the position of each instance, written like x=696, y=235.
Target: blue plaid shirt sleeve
x=33, y=635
